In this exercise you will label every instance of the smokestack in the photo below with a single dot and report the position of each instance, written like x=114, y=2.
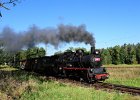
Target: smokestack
x=92, y=49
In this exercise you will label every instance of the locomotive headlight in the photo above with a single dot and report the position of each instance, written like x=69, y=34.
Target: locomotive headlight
x=91, y=70
x=97, y=52
x=60, y=68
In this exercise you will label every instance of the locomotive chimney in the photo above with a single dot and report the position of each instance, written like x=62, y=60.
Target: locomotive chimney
x=92, y=49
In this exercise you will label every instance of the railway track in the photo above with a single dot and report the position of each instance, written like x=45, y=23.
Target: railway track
x=121, y=88
x=104, y=86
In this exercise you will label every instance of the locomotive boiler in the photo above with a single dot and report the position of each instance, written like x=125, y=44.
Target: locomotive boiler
x=78, y=64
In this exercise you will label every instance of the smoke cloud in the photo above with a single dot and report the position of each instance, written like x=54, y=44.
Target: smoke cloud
x=14, y=41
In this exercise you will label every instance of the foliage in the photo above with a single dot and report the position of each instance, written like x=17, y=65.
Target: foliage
x=125, y=54
x=107, y=59
x=115, y=55
x=30, y=53
x=8, y=57
x=5, y=56
x=138, y=52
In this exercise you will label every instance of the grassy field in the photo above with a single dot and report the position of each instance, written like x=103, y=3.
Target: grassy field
x=123, y=65
x=21, y=85
x=125, y=76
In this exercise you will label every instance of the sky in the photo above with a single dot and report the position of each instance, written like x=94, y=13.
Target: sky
x=112, y=22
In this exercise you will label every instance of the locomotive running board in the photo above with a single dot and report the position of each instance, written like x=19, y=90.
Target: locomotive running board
x=65, y=68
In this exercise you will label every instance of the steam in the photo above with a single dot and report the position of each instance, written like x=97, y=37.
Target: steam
x=14, y=41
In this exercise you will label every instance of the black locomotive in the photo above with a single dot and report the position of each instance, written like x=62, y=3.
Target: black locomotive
x=69, y=64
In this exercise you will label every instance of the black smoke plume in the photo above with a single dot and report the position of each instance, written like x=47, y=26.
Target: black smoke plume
x=14, y=41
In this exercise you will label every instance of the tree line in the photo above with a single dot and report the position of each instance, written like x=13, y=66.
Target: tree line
x=125, y=54
x=8, y=57
x=34, y=52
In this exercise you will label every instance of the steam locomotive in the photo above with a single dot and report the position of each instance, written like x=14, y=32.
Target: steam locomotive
x=78, y=64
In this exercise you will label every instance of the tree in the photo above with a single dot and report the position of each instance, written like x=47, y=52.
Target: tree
x=5, y=56
x=138, y=53
x=1, y=56
x=131, y=54
x=21, y=55
x=35, y=52
x=123, y=54
x=41, y=52
x=106, y=57
x=4, y=4
x=115, y=55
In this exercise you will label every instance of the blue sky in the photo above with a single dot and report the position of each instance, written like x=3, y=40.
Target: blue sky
x=112, y=22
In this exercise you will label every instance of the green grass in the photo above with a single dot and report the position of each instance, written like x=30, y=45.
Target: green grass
x=123, y=65
x=125, y=76
x=20, y=85
x=56, y=91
